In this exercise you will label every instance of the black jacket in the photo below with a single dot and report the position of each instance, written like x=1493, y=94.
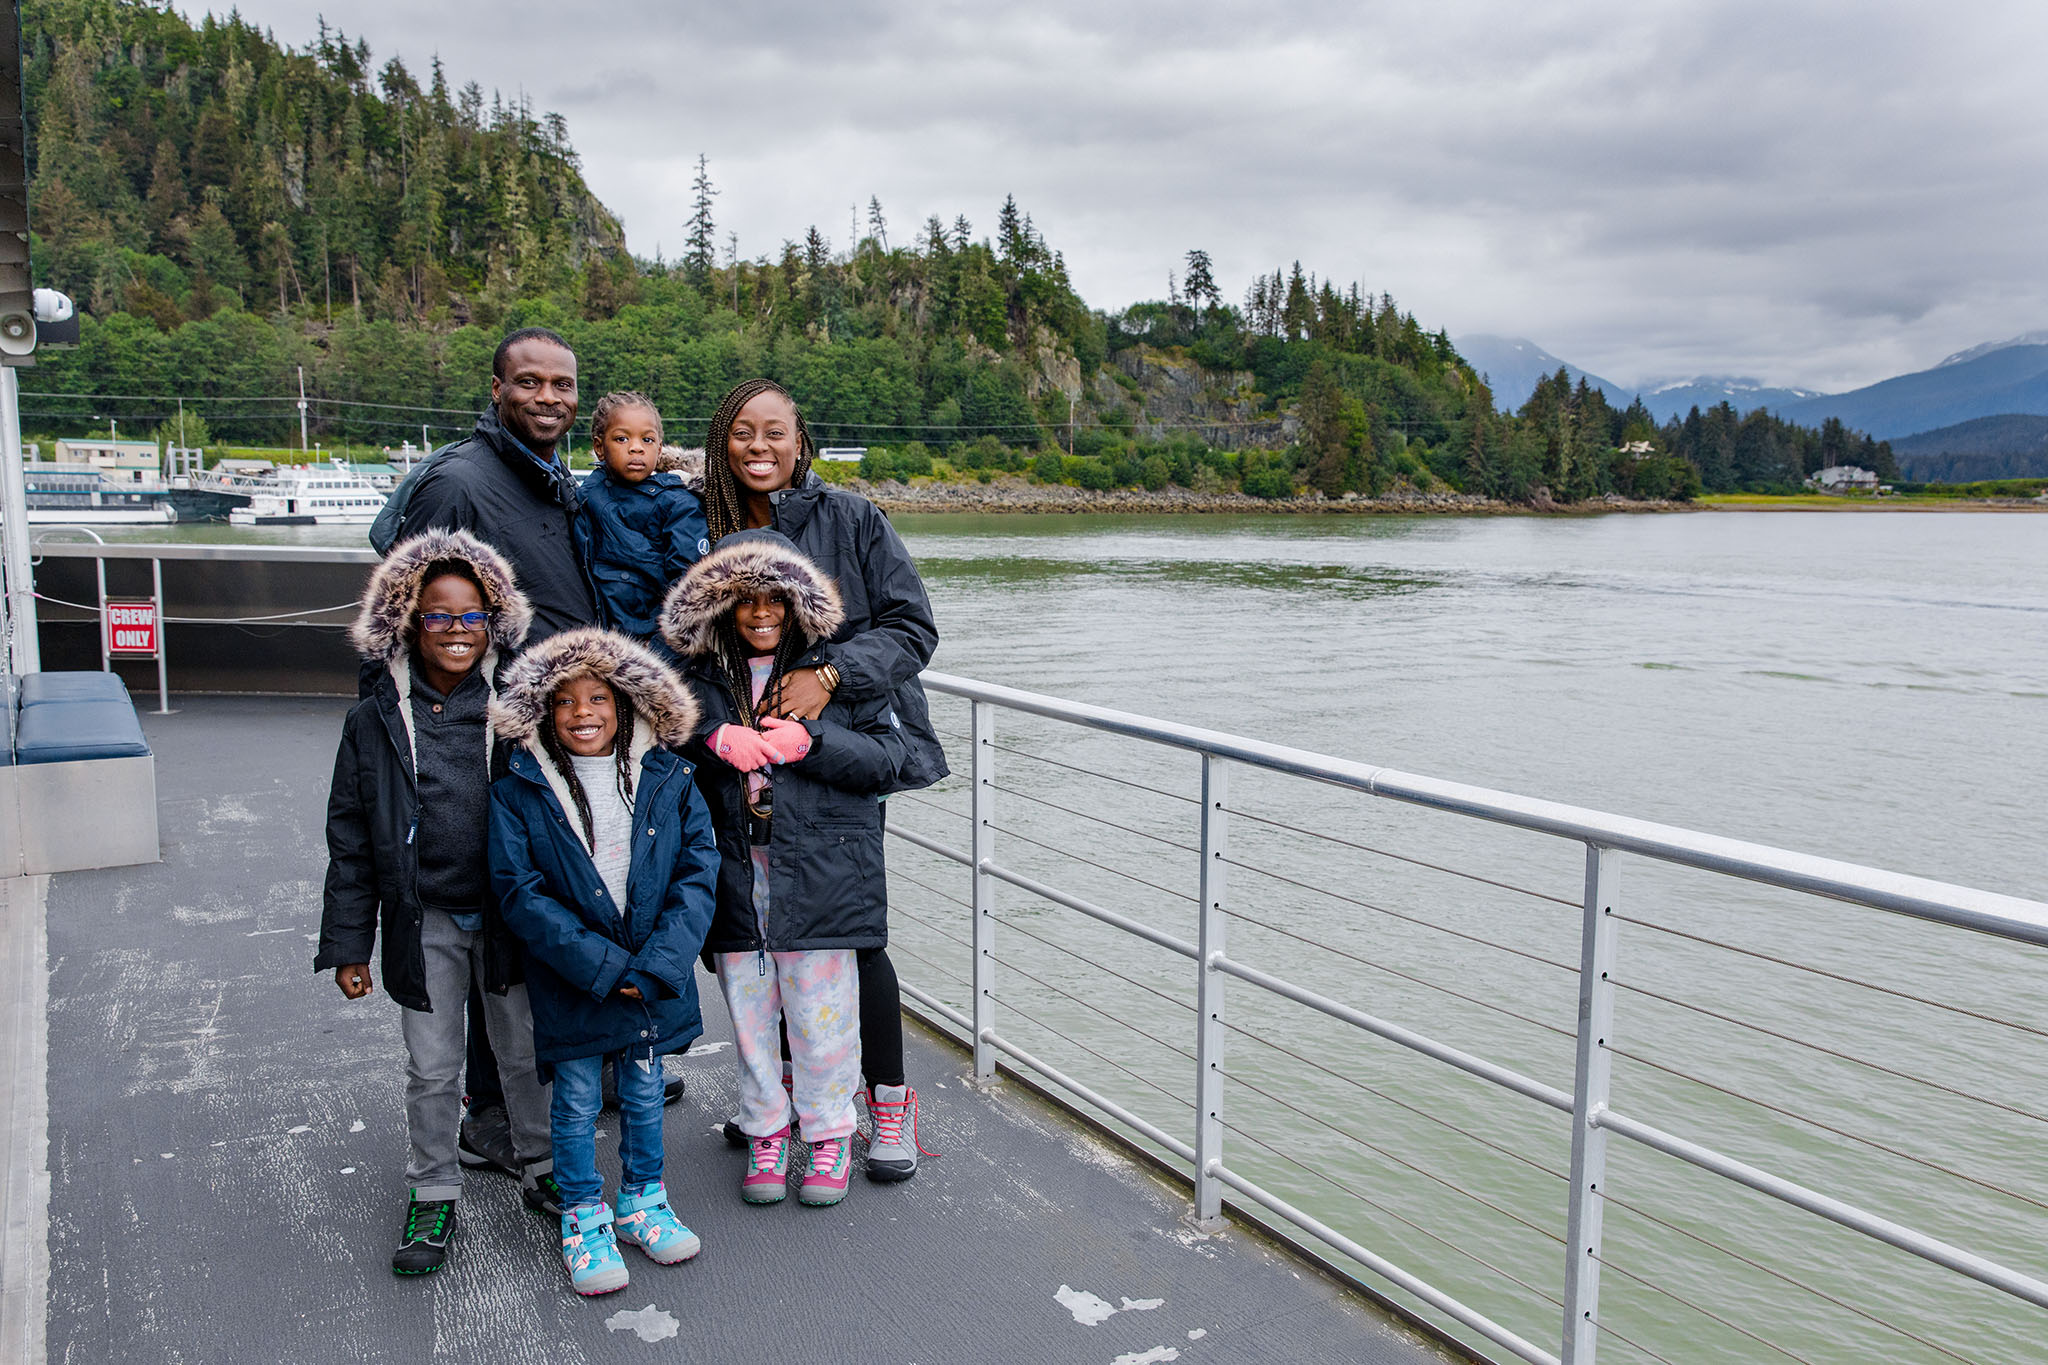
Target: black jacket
x=826, y=884
x=373, y=804
x=373, y=862
x=889, y=634
x=490, y=486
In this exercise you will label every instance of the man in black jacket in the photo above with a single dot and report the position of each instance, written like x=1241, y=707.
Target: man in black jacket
x=507, y=486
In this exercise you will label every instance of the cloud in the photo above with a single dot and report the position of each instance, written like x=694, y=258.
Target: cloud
x=1815, y=193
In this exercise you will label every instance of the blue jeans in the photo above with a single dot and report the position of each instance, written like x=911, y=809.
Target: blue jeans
x=573, y=1117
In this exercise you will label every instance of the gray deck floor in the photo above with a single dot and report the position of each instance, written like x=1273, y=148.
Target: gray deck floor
x=227, y=1144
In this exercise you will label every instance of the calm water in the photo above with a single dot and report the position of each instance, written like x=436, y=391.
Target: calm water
x=1873, y=687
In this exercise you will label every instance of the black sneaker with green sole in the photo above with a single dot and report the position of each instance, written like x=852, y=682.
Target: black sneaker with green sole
x=542, y=1195
x=429, y=1223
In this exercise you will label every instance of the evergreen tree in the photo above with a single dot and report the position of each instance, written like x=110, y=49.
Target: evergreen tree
x=701, y=244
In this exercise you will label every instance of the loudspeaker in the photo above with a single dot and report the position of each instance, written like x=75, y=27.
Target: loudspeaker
x=17, y=306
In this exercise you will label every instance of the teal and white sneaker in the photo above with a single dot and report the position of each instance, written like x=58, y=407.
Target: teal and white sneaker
x=589, y=1251
x=646, y=1220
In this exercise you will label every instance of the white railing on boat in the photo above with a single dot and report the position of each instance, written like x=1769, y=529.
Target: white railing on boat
x=1595, y=1121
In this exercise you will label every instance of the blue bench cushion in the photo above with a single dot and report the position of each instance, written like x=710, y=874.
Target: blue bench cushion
x=62, y=731
x=44, y=687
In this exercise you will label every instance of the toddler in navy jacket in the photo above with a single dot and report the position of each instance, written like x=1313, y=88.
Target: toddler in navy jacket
x=639, y=523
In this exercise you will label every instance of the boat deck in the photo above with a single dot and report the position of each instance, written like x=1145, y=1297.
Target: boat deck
x=227, y=1143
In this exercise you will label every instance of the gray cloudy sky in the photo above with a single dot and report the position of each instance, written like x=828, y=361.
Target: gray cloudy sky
x=1819, y=194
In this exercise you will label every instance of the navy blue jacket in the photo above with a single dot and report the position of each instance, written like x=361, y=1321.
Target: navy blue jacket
x=827, y=887
x=637, y=538
x=578, y=951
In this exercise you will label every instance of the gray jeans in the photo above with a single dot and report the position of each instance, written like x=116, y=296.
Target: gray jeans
x=436, y=1043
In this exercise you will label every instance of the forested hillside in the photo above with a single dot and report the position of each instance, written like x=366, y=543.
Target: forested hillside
x=227, y=209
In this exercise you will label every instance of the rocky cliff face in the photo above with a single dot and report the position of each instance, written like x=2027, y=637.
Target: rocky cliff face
x=1172, y=394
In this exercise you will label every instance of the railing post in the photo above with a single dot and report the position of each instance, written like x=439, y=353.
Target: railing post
x=983, y=769
x=99, y=564
x=163, y=667
x=1591, y=1079
x=1209, y=1000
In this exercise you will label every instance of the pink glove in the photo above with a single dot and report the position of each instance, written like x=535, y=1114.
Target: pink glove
x=789, y=737
x=746, y=750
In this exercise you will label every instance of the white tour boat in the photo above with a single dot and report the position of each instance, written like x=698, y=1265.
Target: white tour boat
x=313, y=495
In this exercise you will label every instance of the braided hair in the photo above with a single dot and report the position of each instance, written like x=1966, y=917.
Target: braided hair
x=618, y=401
x=725, y=506
x=738, y=676
x=622, y=755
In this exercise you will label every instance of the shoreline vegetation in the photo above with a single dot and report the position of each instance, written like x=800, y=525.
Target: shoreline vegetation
x=1020, y=497
x=235, y=217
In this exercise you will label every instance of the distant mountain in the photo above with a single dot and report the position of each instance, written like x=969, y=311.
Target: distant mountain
x=1512, y=365
x=2009, y=446
x=2006, y=379
x=1679, y=397
x=2023, y=339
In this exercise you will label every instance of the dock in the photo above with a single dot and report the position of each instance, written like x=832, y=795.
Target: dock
x=226, y=1145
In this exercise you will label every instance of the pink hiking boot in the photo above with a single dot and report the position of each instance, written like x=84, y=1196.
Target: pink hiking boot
x=767, y=1177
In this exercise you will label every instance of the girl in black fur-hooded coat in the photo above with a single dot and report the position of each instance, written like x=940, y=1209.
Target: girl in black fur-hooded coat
x=406, y=827
x=801, y=885
x=825, y=884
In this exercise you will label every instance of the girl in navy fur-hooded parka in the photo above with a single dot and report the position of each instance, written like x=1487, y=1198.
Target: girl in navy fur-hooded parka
x=801, y=883
x=604, y=865
x=406, y=820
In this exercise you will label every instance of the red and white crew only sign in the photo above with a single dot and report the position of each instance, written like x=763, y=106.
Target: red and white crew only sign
x=131, y=628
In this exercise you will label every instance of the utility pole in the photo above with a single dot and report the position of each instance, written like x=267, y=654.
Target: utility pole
x=423, y=439
x=1070, y=424
x=303, y=447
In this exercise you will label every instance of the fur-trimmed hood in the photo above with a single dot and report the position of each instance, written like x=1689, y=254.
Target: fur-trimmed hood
x=381, y=631
x=688, y=463
x=743, y=564
x=662, y=702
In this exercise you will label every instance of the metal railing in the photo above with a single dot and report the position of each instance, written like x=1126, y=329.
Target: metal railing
x=1595, y=1122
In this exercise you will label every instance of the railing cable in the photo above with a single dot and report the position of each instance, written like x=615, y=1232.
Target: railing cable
x=1680, y=1299
x=1402, y=857
x=1106, y=777
x=1334, y=1074
x=1780, y=1275
x=917, y=800
x=1830, y=975
x=1100, y=820
x=899, y=911
x=1831, y=1052
x=902, y=876
x=927, y=961
x=1395, y=972
x=1111, y=1061
x=1410, y=919
x=1633, y=1345
x=1825, y=1127
x=1100, y=966
x=1403, y=1162
x=1102, y=867
x=1175, y=1048
x=1370, y=1202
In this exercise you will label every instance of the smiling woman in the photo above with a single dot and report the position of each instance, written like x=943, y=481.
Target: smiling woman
x=757, y=475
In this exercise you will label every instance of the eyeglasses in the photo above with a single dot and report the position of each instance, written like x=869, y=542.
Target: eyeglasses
x=438, y=621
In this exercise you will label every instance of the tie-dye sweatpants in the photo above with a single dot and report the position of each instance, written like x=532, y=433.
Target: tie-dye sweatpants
x=819, y=992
